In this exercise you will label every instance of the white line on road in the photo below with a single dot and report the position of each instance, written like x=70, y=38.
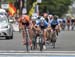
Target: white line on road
x=35, y=53
x=19, y=51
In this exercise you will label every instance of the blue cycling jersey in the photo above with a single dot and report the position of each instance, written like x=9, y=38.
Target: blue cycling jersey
x=54, y=22
x=45, y=23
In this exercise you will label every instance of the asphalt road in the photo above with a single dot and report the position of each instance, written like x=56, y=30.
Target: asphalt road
x=65, y=42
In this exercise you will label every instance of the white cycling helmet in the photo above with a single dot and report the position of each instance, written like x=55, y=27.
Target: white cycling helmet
x=42, y=19
x=33, y=18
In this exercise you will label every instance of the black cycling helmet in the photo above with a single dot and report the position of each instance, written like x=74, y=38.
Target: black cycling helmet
x=55, y=17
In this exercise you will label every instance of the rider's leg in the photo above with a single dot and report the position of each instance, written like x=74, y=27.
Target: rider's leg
x=30, y=33
x=68, y=25
x=58, y=28
x=23, y=37
x=45, y=34
x=51, y=33
x=45, y=38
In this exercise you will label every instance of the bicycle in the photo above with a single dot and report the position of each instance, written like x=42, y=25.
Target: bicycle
x=27, y=38
x=34, y=39
x=72, y=25
x=38, y=40
x=53, y=38
x=48, y=36
x=41, y=39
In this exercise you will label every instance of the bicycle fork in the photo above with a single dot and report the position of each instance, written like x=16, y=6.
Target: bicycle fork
x=27, y=39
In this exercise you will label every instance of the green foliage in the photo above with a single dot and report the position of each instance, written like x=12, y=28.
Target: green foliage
x=57, y=7
x=11, y=1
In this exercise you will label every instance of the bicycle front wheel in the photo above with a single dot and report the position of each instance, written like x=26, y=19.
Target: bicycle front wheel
x=41, y=44
x=27, y=45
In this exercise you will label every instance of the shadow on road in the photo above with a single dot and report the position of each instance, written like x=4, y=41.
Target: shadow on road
x=3, y=38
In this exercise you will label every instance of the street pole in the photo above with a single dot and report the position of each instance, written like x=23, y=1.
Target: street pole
x=25, y=4
x=38, y=1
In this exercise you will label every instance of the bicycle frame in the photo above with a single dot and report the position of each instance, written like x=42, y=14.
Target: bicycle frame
x=53, y=40
x=41, y=39
x=27, y=38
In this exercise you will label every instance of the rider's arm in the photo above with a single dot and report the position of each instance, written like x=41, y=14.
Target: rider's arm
x=36, y=27
x=30, y=24
x=20, y=23
x=46, y=23
x=59, y=26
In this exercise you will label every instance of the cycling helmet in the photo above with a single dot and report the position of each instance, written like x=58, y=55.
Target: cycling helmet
x=33, y=17
x=26, y=17
x=50, y=16
x=42, y=19
x=55, y=17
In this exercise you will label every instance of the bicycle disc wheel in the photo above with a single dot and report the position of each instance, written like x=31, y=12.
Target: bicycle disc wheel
x=41, y=44
x=27, y=46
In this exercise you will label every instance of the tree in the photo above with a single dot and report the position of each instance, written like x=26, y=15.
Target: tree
x=56, y=7
x=11, y=1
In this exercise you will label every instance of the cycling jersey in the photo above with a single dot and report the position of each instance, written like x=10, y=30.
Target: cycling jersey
x=64, y=21
x=24, y=20
x=46, y=19
x=54, y=23
x=44, y=25
x=72, y=20
x=68, y=21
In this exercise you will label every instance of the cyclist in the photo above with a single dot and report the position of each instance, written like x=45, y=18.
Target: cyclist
x=72, y=23
x=50, y=17
x=55, y=25
x=24, y=21
x=68, y=22
x=35, y=31
x=63, y=23
x=42, y=24
x=34, y=26
x=45, y=15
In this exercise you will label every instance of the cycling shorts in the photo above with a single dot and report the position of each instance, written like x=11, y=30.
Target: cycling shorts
x=53, y=27
x=26, y=24
x=43, y=27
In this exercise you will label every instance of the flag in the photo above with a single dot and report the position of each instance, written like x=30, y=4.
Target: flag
x=11, y=9
x=32, y=10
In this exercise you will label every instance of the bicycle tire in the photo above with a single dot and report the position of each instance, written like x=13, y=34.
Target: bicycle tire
x=34, y=43
x=41, y=41
x=27, y=42
x=53, y=40
x=53, y=44
x=41, y=44
x=27, y=48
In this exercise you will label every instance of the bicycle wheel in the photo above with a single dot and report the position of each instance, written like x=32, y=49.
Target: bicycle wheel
x=27, y=45
x=41, y=44
x=53, y=44
x=27, y=39
x=34, y=43
x=53, y=40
